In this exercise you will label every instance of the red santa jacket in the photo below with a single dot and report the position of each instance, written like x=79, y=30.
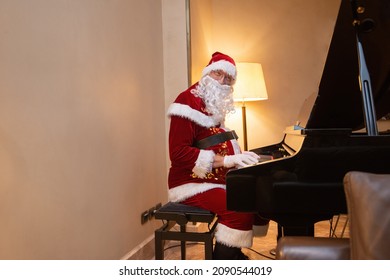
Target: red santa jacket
x=191, y=169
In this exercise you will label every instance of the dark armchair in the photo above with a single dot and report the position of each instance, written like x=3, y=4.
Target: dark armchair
x=368, y=201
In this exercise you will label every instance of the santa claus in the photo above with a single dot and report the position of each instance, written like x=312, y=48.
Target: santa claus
x=202, y=150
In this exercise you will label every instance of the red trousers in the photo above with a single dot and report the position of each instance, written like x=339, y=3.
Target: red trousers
x=237, y=227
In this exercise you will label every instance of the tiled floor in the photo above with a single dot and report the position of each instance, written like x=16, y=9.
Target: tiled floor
x=262, y=246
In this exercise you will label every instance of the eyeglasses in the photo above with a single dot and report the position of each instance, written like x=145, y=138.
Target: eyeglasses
x=219, y=74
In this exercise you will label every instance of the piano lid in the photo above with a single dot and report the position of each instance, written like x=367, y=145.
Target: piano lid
x=339, y=102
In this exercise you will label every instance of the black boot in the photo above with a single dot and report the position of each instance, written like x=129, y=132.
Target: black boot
x=223, y=252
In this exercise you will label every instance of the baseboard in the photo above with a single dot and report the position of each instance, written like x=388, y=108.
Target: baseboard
x=144, y=251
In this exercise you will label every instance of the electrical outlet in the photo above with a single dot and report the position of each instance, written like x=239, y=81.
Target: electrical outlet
x=151, y=213
x=144, y=217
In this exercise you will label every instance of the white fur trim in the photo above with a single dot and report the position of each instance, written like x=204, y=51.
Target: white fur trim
x=235, y=144
x=234, y=237
x=204, y=163
x=221, y=65
x=181, y=193
x=185, y=111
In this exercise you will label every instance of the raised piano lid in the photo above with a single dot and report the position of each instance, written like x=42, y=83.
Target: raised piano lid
x=339, y=100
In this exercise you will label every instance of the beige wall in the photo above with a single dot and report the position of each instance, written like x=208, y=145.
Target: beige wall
x=290, y=38
x=175, y=53
x=84, y=87
x=82, y=126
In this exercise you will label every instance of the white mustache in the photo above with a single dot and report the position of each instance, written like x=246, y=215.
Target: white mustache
x=217, y=98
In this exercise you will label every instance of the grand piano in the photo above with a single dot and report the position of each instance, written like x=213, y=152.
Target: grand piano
x=337, y=130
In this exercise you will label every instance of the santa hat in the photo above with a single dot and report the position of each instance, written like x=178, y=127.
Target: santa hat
x=220, y=61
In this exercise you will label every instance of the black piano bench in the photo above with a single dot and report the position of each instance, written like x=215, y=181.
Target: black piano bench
x=176, y=213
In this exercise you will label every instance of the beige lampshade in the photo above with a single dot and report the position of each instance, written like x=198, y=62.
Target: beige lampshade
x=250, y=85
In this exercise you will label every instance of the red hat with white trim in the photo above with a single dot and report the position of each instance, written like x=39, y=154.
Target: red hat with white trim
x=220, y=61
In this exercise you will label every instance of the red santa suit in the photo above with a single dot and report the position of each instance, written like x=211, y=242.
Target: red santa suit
x=192, y=180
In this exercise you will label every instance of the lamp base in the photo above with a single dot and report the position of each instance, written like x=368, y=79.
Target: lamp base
x=244, y=127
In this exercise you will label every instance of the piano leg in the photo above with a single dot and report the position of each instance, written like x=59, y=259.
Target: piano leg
x=307, y=230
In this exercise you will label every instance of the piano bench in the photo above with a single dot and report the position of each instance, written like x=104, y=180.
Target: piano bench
x=179, y=214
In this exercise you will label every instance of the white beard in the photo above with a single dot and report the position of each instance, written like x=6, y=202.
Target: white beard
x=217, y=98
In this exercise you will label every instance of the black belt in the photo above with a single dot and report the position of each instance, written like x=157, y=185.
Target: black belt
x=216, y=139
